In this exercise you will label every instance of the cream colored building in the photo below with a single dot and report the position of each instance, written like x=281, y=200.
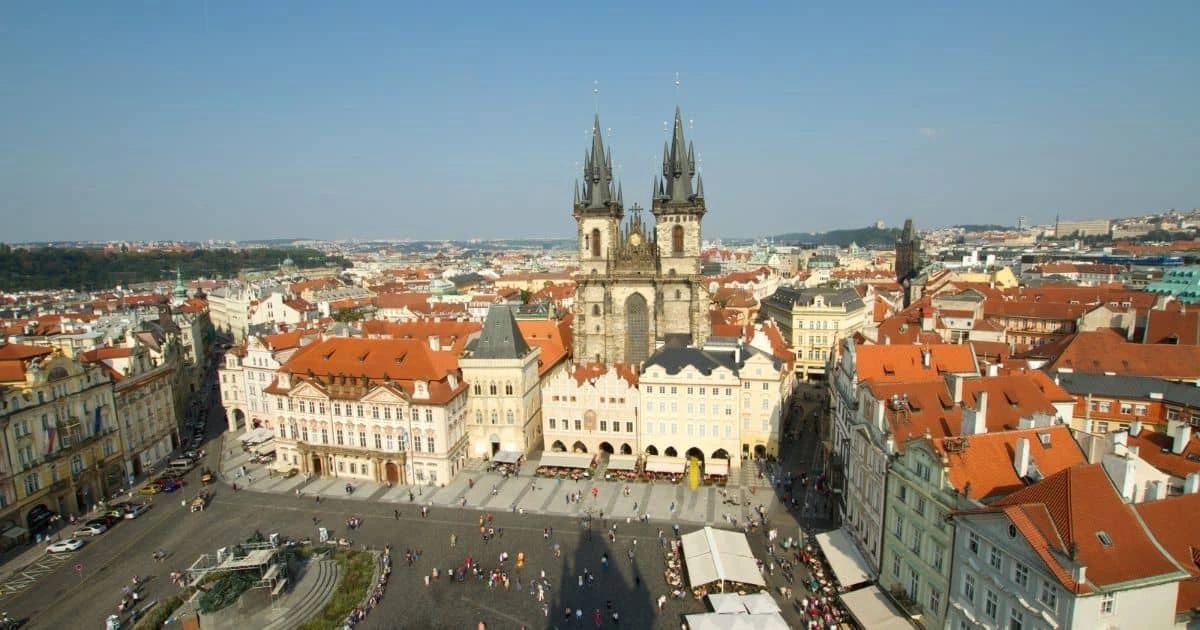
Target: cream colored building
x=61, y=442
x=592, y=408
x=145, y=398
x=505, y=403
x=814, y=320
x=381, y=410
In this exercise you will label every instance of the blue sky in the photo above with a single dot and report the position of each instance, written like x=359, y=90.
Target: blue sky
x=199, y=120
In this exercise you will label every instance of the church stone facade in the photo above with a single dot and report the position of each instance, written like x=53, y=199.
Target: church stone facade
x=638, y=284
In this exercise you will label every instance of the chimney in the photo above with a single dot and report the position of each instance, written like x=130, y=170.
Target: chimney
x=981, y=415
x=886, y=340
x=737, y=354
x=1155, y=491
x=1183, y=433
x=1025, y=423
x=927, y=320
x=1079, y=574
x=1135, y=428
x=435, y=343
x=993, y=370
x=1021, y=457
x=926, y=356
x=1123, y=472
x=1191, y=483
x=957, y=382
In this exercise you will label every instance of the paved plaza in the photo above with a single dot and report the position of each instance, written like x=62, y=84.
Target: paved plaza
x=51, y=594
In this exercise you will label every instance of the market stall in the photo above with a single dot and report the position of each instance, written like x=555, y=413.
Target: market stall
x=720, y=559
x=665, y=468
x=564, y=465
x=622, y=467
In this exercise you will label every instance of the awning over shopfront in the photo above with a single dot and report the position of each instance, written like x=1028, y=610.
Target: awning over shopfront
x=872, y=609
x=622, y=462
x=566, y=460
x=716, y=555
x=506, y=457
x=256, y=436
x=664, y=464
x=844, y=559
x=717, y=467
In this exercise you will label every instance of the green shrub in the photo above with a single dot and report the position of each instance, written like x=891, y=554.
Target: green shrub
x=356, y=570
x=159, y=614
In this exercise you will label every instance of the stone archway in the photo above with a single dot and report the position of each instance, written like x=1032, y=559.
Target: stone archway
x=626, y=449
x=671, y=452
x=558, y=447
x=579, y=447
x=760, y=451
x=651, y=450
x=239, y=419
x=605, y=447
x=392, y=473
x=720, y=454
x=695, y=452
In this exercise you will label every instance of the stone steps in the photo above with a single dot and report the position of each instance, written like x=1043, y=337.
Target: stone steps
x=319, y=590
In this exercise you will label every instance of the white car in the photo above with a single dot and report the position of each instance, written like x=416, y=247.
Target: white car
x=90, y=529
x=134, y=510
x=70, y=544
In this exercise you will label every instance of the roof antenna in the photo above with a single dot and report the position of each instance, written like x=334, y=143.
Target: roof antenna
x=596, y=95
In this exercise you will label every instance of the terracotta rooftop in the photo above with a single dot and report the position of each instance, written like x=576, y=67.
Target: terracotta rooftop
x=1108, y=351
x=1155, y=448
x=1163, y=518
x=884, y=363
x=987, y=461
x=1068, y=511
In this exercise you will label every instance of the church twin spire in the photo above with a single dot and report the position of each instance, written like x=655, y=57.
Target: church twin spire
x=599, y=190
x=674, y=186
x=678, y=168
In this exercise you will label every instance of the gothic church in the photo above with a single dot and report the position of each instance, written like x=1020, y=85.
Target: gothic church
x=638, y=284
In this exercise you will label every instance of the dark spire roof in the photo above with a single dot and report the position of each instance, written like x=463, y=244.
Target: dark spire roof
x=679, y=165
x=597, y=171
x=500, y=338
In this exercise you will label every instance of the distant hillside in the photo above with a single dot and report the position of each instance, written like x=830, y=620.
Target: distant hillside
x=843, y=238
x=78, y=268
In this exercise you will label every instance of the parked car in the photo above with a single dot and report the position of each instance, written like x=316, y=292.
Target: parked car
x=134, y=510
x=93, y=528
x=170, y=485
x=291, y=472
x=150, y=488
x=70, y=544
x=111, y=519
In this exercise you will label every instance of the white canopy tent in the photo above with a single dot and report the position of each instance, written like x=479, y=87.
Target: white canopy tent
x=506, y=457
x=622, y=462
x=664, y=464
x=716, y=466
x=844, y=559
x=733, y=603
x=871, y=608
x=256, y=436
x=716, y=555
x=566, y=460
x=716, y=621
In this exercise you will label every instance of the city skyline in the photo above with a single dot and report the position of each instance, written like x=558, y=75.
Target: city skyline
x=222, y=122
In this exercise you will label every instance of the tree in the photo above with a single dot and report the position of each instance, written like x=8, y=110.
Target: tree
x=526, y=295
x=346, y=315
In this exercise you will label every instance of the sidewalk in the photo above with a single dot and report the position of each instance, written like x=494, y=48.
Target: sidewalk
x=521, y=493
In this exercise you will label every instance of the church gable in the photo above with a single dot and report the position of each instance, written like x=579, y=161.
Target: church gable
x=386, y=395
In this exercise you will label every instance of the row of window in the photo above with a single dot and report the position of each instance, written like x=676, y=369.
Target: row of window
x=692, y=408
x=352, y=411
x=347, y=438
x=1127, y=409
x=612, y=400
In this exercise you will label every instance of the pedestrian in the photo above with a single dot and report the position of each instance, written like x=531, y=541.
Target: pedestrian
x=396, y=513
x=599, y=618
x=578, y=615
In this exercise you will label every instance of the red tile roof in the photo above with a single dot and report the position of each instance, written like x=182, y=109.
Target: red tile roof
x=1164, y=518
x=885, y=363
x=1067, y=511
x=1152, y=444
x=1108, y=351
x=400, y=361
x=987, y=461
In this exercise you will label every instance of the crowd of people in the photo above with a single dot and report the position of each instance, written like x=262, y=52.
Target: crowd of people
x=385, y=571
